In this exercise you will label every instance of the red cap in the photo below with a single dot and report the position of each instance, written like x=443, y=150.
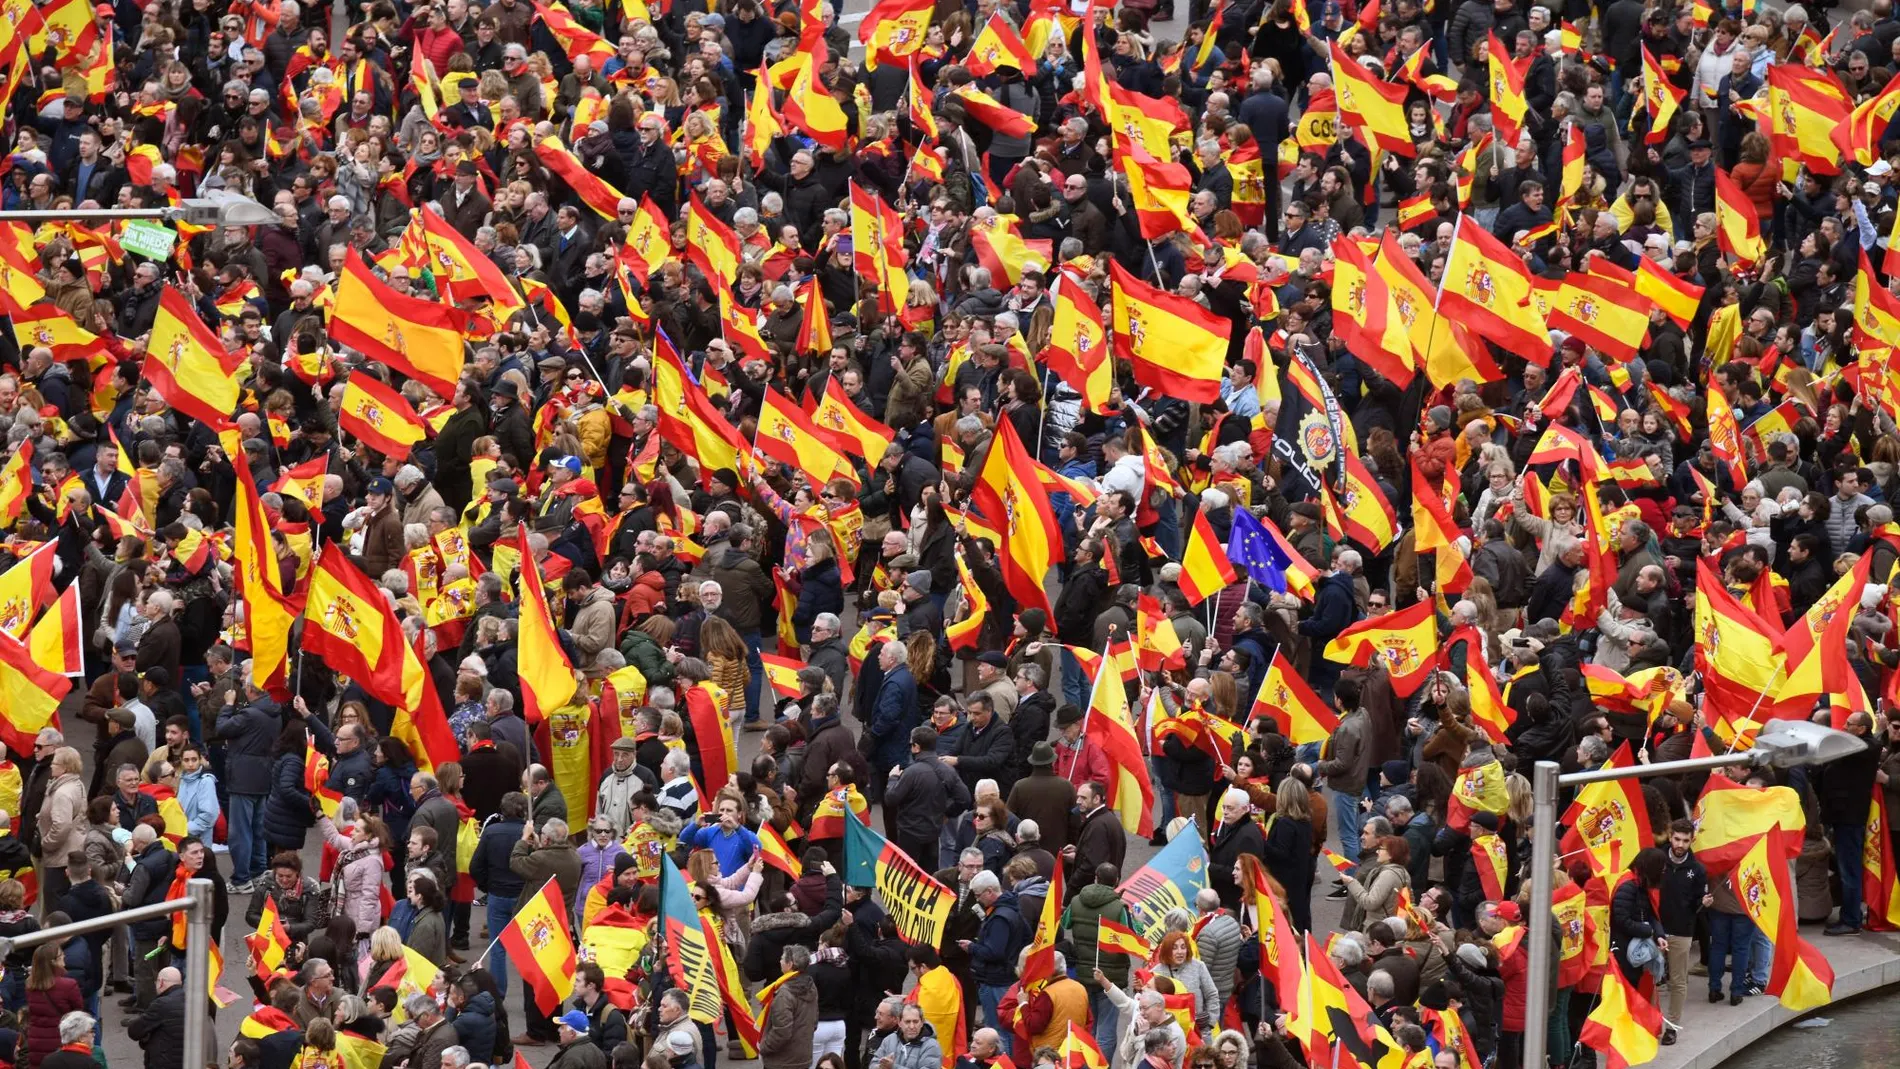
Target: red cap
x=104, y=11
x=1509, y=913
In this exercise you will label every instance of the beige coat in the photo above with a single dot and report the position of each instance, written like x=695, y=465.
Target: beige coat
x=62, y=817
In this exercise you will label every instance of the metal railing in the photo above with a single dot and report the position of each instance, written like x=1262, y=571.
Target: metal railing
x=197, y=908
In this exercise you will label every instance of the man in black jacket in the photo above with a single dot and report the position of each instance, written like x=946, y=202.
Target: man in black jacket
x=921, y=795
x=1685, y=894
x=160, y=1029
x=1843, y=787
x=249, y=734
x=987, y=744
x=492, y=874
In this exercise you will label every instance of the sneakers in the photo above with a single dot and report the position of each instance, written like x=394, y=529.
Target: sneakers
x=1337, y=894
x=1753, y=988
x=240, y=887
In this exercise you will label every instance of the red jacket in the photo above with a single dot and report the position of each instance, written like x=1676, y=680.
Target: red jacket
x=438, y=46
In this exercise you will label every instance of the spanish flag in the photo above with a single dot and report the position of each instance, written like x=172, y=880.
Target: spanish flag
x=56, y=640
x=1801, y=977
x=1488, y=710
x=964, y=632
x=539, y=944
x=1816, y=646
x=810, y=107
x=1038, y=965
x=1109, y=725
x=1491, y=286
x=1000, y=118
x=268, y=611
x=1287, y=700
x=893, y=29
x=1610, y=317
x=786, y=434
x=842, y=423
x=1624, y=1025
x=1005, y=252
x=1009, y=493
x=1159, y=189
x=711, y=245
x=1405, y=643
x=1570, y=182
x=1726, y=438
x=1440, y=344
x=1660, y=98
x=1329, y=1010
x=187, y=363
x=349, y=624
x=688, y=415
x=1738, y=660
x=590, y=187
x=1737, y=226
x=29, y=695
x=380, y=416
x=1113, y=936
x=772, y=848
x=996, y=45
x=16, y=483
x=574, y=39
x=761, y=123
x=1078, y=1049
x=547, y=678
x=270, y=941
x=1373, y=107
x=1177, y=347
x=649, y=242
x=782, y=673
x=1205, y=569
x=1508, y=105
x=1805, y=108
x=1879, y=886
x=921, y=115
x=1609, y=821
x=1138, y=119
x=1859, y=137
x=468, y=272
x=1360, y=507
x=1364, y=315
x=49, y=326
x=422, y=339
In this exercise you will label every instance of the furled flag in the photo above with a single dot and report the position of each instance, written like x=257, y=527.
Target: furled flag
x=547, y=677
x=1109, y=725
x=1659, y=97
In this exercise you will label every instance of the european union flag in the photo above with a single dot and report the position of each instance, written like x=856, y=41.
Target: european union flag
x=1252, y=550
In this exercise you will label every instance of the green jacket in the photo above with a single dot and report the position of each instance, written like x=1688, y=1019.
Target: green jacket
x=1082, y=919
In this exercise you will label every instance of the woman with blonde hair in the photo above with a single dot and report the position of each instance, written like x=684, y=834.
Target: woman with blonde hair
x=62, y=818
x=385, y=950
x=725, y=655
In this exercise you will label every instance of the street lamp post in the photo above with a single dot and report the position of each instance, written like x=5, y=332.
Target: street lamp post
x=1790, y=744
x=221, y=208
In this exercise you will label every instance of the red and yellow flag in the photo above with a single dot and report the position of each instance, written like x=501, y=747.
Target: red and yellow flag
x=29, y=695
x=1009, y=493
x=1624, y=1025
x=1109, y=725
x=1609, y=820
x=380, y=416
x=1508, y=104
x=539, y=944
x=547, y=677
x=1737, y=226
x=1405, y=644
x=786, y=434
x=1177, y=347
x=1880, y=885
x=422, y=339
x=1491, y=286
x=996, y=45
x=1801, y=977
x=350, y=625
x=1365, y=317
x=48, y=325
x=1372, y=106
x=1284, y=696
x=187, y=363
x=1659, y=98
x=1205, y=569
x=1805, y=108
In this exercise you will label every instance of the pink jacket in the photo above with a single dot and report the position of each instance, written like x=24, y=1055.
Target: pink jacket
x=357, y=883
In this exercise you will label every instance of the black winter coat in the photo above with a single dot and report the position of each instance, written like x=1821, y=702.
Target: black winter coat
x=1226, y=846
x=475, y=1026
x=1184, y=769
x=1843, y=786
x=287, y=810
x=160, y=1029
x=985, y=754
x=918, y=800
x=489, y=867
x=1484, y=1002
x=249, y=732
x=821, y=590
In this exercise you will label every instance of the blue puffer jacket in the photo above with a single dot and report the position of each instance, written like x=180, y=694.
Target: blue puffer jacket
x=993, y=951
x=287, y=810
x=892, y=717
x=475, y=1026
x=822, y=591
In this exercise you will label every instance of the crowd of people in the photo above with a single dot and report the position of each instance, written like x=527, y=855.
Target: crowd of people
x=565, y=177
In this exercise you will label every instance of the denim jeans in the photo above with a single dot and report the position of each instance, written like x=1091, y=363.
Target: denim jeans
x=1849, y=841
x=249, y=854
x=1164, y=798
x=987, y=997
x=500, y=912
x=1761, y=959
x=1108, y=1019
x=752, y=647
x=1346, y=817
x=1731, y=937
x=1075, y=682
